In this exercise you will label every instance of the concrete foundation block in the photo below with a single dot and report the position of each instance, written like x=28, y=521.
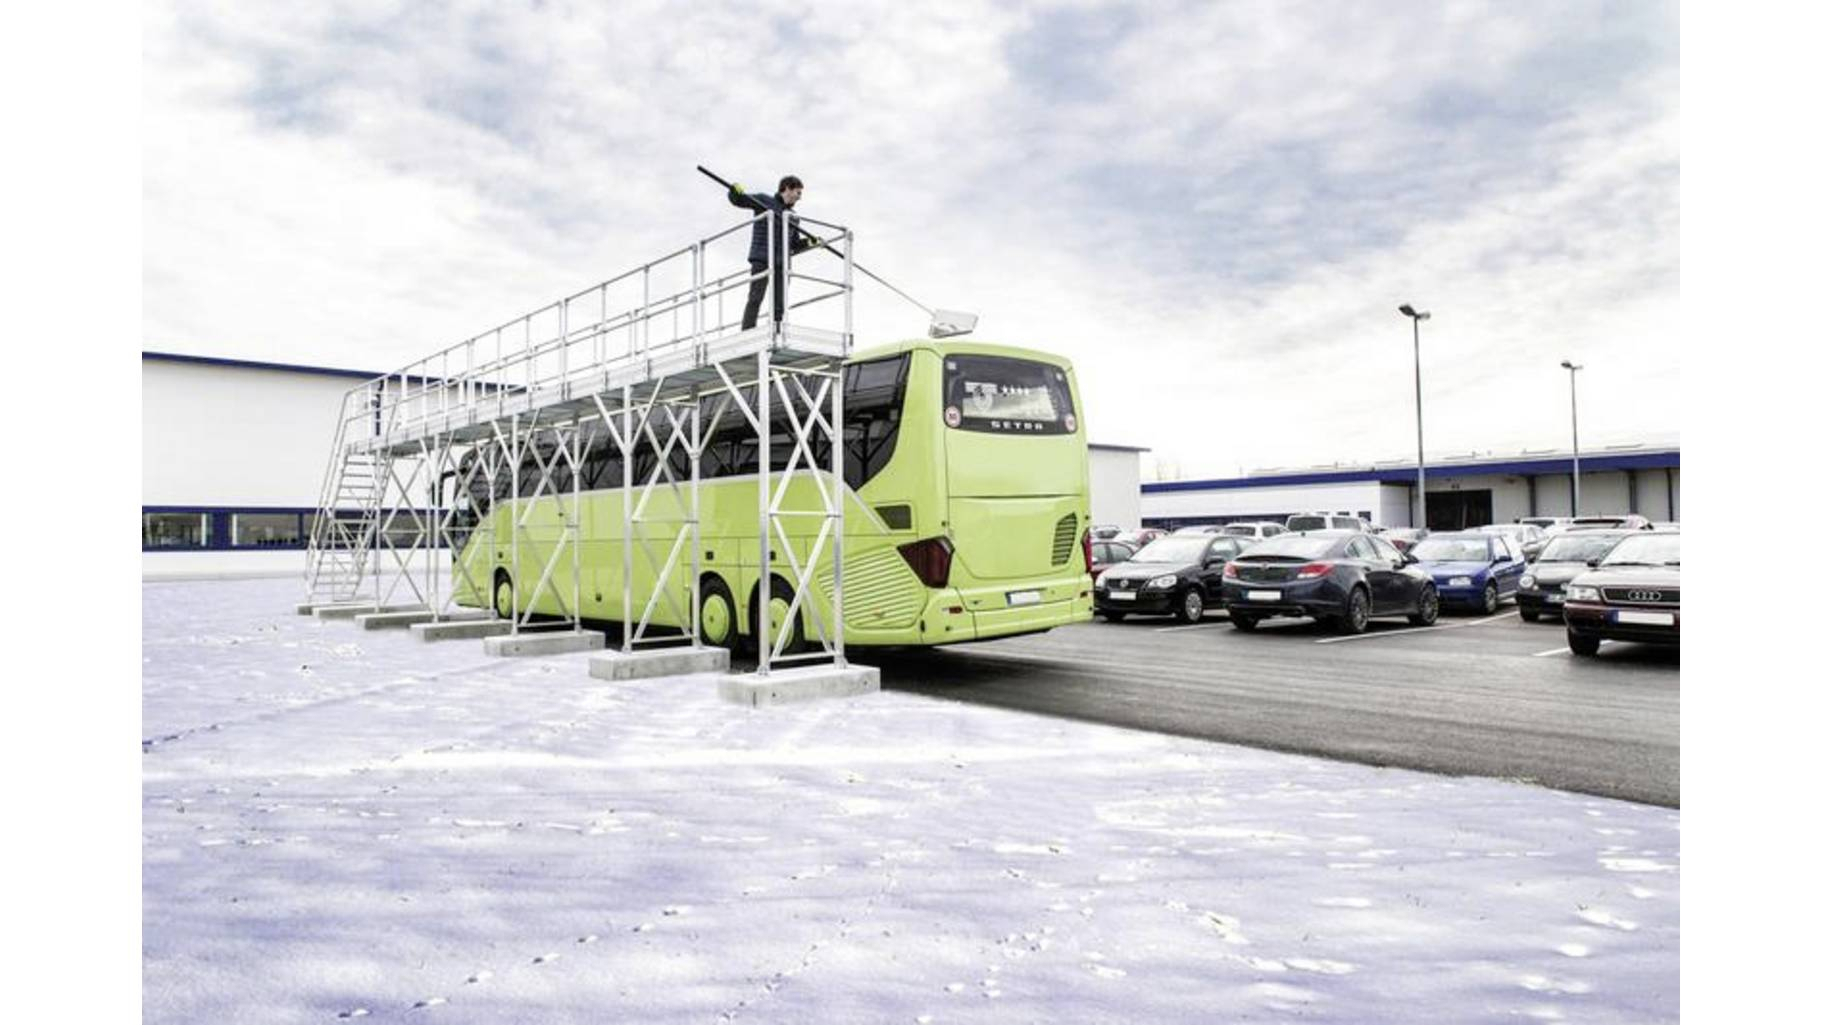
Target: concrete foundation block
x=460, y=630
x=352, y=609
x=382, y=620
x=640, y=665
x=549, y=643
x=803, y=683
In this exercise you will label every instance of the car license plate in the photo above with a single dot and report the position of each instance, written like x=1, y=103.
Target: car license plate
x=1121, y=595
x=1264, y=595
x=1644, y=618
x=1014, y=598
x=1554, y=598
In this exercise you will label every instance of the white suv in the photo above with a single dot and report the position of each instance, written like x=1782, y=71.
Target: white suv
x=1324, y=521
x=1253, y=530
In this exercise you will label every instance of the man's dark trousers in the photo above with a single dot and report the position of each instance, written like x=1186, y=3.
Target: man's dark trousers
x=756, y=292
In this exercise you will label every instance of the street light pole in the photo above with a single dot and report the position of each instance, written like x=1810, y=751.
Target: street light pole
x=1575, y=439
x=1422, y=516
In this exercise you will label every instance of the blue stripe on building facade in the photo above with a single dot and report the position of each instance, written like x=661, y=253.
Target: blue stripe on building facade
x=1408, y=475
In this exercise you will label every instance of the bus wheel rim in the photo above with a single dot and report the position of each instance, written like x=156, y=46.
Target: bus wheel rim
x=779, y=624
x=715, y=619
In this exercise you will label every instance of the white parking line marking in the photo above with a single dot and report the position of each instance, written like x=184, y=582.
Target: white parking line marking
x=1190, y=626
x=1552, y=651
x=1416, y=629
x=1383, y=633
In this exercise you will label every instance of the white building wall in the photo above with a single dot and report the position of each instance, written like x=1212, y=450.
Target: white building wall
x=1113, y=486
x=217, y=435
x=1269, y=502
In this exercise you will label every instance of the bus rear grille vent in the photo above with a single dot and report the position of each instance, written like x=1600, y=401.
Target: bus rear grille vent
x=1062, y=546
x=879, y=590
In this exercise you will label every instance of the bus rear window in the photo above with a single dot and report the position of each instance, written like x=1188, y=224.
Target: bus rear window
x=1008, y=396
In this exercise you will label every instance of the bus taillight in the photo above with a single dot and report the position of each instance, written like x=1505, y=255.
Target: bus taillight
x=1088, y=550
x=929, y=559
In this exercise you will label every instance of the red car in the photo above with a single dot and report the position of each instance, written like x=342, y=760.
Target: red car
x=1109, y=553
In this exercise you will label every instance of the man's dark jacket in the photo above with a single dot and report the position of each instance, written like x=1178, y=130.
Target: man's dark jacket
x=762, y=228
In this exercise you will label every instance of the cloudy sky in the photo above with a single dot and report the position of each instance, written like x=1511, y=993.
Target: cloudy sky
x=1213, y=208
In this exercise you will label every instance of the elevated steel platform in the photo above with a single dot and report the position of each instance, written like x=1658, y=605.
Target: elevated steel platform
x=633, y=360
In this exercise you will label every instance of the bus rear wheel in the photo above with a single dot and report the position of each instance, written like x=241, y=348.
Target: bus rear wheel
x=718, y=626
x=782, y=593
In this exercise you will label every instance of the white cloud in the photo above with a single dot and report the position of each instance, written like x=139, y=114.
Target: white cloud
x=1212, y=210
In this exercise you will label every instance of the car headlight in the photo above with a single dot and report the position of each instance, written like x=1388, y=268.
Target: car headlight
x=1527, y=581
x=1461, y=581
x=1167, y=580
x=1584, y=593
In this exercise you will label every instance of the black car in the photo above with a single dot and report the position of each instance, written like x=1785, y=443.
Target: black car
x=1635, y=594
x=1562, y=559
x=1175, y=575
x=1342, y=578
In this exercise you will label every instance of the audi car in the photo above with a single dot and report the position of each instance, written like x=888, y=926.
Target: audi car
x=1471, y=569
x=1563, y=558
x=1177, y=575
x=1342, y=578
x=1635, y=594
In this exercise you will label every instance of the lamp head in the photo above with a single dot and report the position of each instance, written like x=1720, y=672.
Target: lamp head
x=1408, y=310
x=1570, y=366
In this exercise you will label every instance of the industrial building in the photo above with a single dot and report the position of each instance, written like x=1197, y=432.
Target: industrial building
x=1460, y=492
x=235, y=451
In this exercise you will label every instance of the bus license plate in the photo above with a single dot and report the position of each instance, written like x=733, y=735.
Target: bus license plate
x=1264, y=595
x=1015, y=598
x=1644, y=618
x=1121, y=595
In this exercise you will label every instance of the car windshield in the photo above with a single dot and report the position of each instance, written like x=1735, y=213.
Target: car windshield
x=1577, y=547
x=1452, y=549
x=1647, y=550
x=1306, y=523
x=1286, y=546
x=1173, y=549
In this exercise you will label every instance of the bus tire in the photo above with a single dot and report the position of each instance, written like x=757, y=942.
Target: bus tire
x=782, y=593
x=502, y=594
x=719, y=627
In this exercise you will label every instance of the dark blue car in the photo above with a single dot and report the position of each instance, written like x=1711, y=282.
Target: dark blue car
x=1471, y=570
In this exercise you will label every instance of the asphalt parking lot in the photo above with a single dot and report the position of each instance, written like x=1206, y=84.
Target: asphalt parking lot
x=1481, y=696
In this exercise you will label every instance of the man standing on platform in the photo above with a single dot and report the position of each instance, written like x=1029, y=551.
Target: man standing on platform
x=790, y=190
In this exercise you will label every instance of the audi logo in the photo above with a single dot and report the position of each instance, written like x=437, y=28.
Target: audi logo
x=1644, y=595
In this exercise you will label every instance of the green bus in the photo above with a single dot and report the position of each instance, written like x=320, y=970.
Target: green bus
x=966, y=511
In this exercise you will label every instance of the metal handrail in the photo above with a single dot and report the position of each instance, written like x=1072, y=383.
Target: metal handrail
x=566, y=343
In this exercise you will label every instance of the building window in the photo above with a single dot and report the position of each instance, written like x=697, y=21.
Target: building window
x=174, y=530
x=266, y=530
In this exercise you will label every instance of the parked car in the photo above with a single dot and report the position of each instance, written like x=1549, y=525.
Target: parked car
x=1141, y=537
x=1108, y=553
x=1178, y=575
x=1528, y=538
x=1470, y=568
x=1563, y=558
x=1635, y=594
x=1105, y=531
x=1630, y=521
x=1255, y=530
x=1545, y=523
x=1342, y=578
x=1324, y=521
x=1403, y=538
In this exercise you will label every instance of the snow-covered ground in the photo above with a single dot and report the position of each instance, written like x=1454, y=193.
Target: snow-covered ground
x=346, y=824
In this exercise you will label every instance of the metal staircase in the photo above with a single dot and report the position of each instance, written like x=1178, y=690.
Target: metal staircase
x=342, y=549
